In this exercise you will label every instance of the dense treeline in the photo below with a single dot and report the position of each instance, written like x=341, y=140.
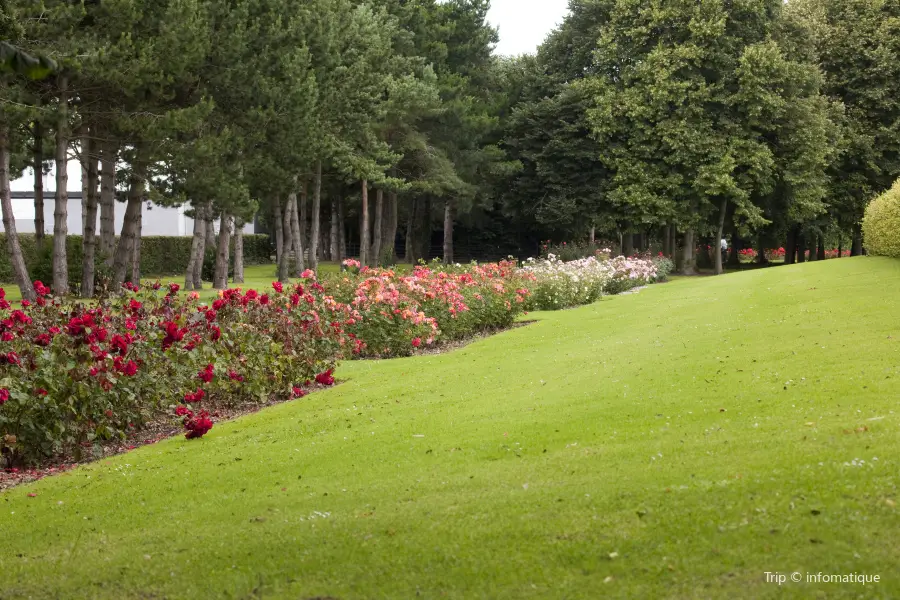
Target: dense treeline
x=773, y=123
x=317, y=116
x=386, y=125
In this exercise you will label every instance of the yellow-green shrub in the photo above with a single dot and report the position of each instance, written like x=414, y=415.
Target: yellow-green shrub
x=881, y=225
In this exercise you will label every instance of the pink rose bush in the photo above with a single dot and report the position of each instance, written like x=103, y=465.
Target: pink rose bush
x=400, y=313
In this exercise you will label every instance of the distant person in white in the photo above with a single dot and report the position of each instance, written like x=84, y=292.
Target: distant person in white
x=724, y=245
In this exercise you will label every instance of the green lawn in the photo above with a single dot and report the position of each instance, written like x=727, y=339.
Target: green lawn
x=675, y=443
x=256, y=276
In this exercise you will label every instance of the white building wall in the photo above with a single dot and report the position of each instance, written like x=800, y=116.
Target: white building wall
x=155, y=220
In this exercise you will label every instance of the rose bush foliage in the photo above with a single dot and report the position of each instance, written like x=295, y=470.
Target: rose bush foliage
x=75, y=375
x=402, y=312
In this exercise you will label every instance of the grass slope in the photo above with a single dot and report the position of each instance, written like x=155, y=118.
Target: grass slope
x=585, y=455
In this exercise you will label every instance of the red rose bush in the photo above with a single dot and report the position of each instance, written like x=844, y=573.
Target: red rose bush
x=72, y=376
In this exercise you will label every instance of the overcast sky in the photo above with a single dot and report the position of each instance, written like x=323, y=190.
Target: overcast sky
x=525, y=23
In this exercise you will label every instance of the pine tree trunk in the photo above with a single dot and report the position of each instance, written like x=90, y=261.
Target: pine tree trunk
x=210, y=226
x=238, y=252
x=333, y=238
x=761, y=251
x=390, y=236
x=801, y=248
x=840, y=247
x=448, y=231
x=790, y=246
x=315, y=212
x=89, y=240
x=284, y=265
x=737, y=244
x=136, y=250
x=813, y=247
x=302, y=215
x=377, y=226
x=627, y=244
x=204, y=214
x=720, y=233
x=84, y=162
x=14, y=250
x=409, y=250
x=60, y=213
x=220, y=280
x=38, y=166
x=133, y=209
x=342, y=231
x=856, y=248
x=820, y=253
x=424, y=235
x=364, y=225
x=687, y=257
x=197, y=247
x=296, y=234
x=107, y=200
x=593, y=234
x=279, y=230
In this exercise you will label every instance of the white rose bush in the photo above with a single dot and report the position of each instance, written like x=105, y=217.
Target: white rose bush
x=556, y=284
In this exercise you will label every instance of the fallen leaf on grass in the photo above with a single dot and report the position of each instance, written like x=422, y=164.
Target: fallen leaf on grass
x=862, y=429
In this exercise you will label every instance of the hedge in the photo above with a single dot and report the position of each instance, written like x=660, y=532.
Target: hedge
x=881, y=225
x=160, y=255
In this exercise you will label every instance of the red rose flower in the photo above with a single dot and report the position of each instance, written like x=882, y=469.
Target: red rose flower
x=416, y=342
x=43, y=339
x=4, y=396
x=299, y=392
x=40, y=289
x=173, y=288
x=130, y=368
x=119, y=344
x=206, y=375
x=215, y=333
x=277, y=286
x=195, y=396
x=197, y=426
x=234, y=376
x=20, y=317
x=264, y=299
x=325, y=378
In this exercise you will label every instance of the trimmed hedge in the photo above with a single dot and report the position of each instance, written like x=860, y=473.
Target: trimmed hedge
x=881, y=225
x=160, y=255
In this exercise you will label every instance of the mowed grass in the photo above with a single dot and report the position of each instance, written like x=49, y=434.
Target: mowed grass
x=256, y=276
x=675, y=443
